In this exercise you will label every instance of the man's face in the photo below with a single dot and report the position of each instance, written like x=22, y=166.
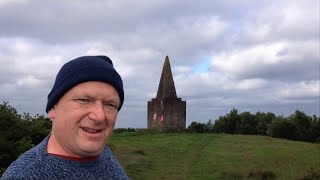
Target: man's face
x=83, y=119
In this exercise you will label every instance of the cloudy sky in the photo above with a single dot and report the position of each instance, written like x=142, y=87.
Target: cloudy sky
x=252, y=55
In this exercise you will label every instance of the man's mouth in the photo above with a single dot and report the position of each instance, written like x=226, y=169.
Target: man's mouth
x=89, y=130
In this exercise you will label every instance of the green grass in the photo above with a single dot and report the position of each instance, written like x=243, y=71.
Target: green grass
x=214, y=156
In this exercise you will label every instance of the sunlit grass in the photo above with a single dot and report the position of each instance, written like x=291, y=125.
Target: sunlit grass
x=214, y=156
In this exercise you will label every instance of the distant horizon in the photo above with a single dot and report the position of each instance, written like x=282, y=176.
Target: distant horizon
x=188, y=121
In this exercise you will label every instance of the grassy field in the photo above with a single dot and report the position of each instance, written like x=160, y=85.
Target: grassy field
x=214, y=156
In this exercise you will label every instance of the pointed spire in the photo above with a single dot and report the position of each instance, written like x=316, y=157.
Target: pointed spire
x=166, y=87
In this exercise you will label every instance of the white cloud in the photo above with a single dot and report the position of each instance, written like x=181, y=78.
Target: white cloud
x=275, y=60
x=10, y=2
x=250, y=84
x=29, y=81
x=182, y=69
x=300, y=90
x=283, y=20
x=202, y=29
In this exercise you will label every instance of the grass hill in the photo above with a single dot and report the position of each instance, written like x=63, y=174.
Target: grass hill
x=214, y=156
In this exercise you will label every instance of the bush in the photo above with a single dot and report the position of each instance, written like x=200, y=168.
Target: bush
x=122, y=130
x=197, y=127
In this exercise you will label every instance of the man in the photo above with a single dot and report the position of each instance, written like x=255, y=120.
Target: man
x=83, y=105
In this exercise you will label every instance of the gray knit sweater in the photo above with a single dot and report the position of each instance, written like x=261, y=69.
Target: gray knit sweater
x=38, y=164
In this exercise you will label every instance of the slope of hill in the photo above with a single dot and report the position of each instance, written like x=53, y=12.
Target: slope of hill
x=214, y=156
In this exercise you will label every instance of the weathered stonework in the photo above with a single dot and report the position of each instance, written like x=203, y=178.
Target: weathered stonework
x=166, y=112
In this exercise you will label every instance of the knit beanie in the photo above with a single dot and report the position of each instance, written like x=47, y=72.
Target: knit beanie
x=83, y=69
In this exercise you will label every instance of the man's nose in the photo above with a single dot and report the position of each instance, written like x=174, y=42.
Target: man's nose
x=97, y=112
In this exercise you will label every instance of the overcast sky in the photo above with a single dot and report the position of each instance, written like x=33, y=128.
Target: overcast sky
x=252, y=55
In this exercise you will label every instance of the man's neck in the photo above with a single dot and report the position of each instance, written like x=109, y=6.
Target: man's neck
x=55, y=148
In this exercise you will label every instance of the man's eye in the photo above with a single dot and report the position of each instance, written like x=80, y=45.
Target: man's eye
x=110, y=106
x=83, y=100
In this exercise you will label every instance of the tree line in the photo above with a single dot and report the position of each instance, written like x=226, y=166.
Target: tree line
x=19, y=133
x=298, y=126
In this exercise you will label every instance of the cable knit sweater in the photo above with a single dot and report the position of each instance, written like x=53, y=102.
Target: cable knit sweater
x=38, y=164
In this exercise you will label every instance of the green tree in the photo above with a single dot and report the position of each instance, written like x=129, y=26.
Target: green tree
x=303, y=124
x=231, y=121
x=263, y=120
x=209, y=126
x=218, y=125
x=197, y=127
x=9, y=118
x=282, y=128
x=40, y=128
x=248, y=123
x=12, y=140
x=19, y=133
x=315, y=129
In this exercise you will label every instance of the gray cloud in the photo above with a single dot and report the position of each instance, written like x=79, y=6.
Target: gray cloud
x=260, y=56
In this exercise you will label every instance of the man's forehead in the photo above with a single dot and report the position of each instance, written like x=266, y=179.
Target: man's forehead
x=94, y=89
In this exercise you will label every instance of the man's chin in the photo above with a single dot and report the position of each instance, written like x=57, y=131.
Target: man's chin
x=92, y=149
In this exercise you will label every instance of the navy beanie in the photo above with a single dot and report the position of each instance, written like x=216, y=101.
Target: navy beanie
x=83, y=69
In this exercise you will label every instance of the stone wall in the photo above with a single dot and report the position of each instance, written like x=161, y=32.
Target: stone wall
x=167, y=114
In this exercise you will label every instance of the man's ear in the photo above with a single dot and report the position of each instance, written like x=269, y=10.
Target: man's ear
x=51, y=113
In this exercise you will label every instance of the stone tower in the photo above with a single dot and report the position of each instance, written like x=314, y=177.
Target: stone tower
x=166, y=112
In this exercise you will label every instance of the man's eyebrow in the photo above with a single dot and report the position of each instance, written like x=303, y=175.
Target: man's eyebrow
x=86, y=95
x=81, y=95
x=111, y=100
